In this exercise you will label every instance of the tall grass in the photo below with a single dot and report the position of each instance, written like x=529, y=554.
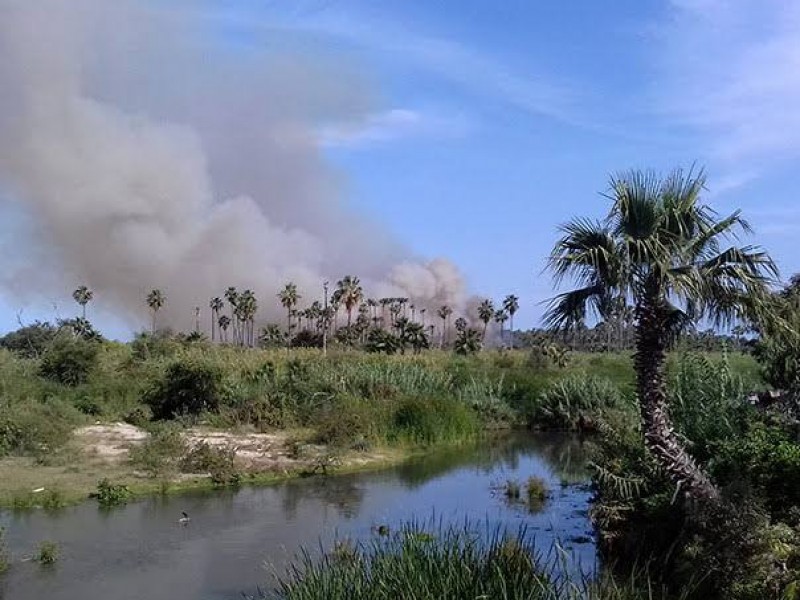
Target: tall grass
x=451, y=563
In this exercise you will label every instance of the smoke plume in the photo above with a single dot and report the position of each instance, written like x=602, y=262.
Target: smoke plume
x=141, y=148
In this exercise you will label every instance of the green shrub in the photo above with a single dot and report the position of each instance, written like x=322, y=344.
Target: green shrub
x=109, y=494
x=220, y=463
x=30, y=341
x=37, y=430
x=69, y=360
x=187, y=388
x=160, y=454
x=577, y=402
x=48, y=553
x=430, y=420
x=52, y=500
x=346, y=419
x=764, y=458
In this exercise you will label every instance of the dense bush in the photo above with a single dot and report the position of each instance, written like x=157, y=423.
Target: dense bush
x=219, y=463
x=577, y=403
x=34, y=429
x=69, y=359
x=160, y=454
x=109, y=494
x=187, y=388
x=30, y=341
x=433, y=420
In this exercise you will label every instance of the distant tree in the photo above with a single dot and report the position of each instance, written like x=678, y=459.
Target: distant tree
x=351, y=294
x=444, y=313
x=232, y=296
x=468, y=341
x=155, y=300
x=216, y=305
x=83, y=295
x=501, y=317
x=485, y=314
x=223, y=322
x=289, y=297
x=511, y=306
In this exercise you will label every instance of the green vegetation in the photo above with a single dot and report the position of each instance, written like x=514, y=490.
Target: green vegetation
x=5, y=556
x=109, y=495
x=48, y=553
x=448, y=564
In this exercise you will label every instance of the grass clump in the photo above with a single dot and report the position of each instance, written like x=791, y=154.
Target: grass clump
x=535, y=493
x=452, y=563
x=160, y=454
x=5, y=556
x=48, y=553
x=109, y=494
x=219, y=463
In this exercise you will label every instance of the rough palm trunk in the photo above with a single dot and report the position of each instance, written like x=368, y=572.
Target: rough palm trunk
x=659, y=434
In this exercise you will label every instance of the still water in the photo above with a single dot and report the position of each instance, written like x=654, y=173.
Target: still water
x=235, y=541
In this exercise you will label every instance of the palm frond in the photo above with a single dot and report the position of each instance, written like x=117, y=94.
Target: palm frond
x=570, y=308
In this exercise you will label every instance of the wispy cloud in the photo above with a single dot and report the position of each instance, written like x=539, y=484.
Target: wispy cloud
x=731, y=70
x=391, y=126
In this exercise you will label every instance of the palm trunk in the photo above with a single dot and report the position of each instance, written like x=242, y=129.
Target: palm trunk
x=659, y=435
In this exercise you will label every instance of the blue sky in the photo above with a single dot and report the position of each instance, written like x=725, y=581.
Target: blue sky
x=496, y=121
x=504, y=119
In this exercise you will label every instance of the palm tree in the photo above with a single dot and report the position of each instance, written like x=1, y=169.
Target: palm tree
x=444, y=313
x=232, y=296
x=511, y=306
x=216, y=305
x=155, y=300
x=223, y=322
x=661, y=247
x=350, y=294
x=289, y=297
x=485, y=314
x=83, y=295
x=501, y=317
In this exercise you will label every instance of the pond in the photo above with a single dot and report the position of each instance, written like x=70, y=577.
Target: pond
x=236, y=540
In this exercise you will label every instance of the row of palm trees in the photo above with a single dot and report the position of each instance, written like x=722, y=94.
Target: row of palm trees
x=322, y=317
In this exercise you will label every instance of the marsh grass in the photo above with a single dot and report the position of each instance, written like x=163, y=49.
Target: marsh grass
x=438, y=562
x=48, y=553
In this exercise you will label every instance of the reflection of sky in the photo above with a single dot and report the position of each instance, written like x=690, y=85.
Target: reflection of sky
x=142, y=552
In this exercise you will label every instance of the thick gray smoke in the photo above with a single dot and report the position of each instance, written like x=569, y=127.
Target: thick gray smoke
x=145, y=149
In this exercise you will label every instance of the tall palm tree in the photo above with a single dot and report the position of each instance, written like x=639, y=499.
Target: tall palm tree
x=501, y=316
x=216, y=305
x=223, y=322
x=232, y=296
x=289, y=296
x=485, y=314
x=444, y=313
x=350, y=293
x=155, y=300
x=511, y=306
x=661, y=248
x=83, y=295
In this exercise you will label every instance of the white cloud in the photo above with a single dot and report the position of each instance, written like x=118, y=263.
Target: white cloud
x=731, y=70
x=392, y=125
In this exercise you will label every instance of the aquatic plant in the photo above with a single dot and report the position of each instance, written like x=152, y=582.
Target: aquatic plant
x=109, y=494
x=48, y=553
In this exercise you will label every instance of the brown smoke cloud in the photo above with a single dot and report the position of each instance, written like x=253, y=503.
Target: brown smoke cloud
x=145, y=151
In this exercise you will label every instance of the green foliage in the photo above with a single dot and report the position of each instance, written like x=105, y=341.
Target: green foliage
x=35, y=429
x=577, y=402
x=707, y=401
x=448, y=564
x=766, y=459
x=30, y=341
x=433, y=420
x=69, y=360
x=382, y=341
x=468, y=342
x=5, y=556
x=109, y=494
x=187, y=388
x=160, y=454
x=48, y=553
x=219, y=463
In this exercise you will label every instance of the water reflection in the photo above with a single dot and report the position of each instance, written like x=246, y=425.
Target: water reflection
x=140, y=550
